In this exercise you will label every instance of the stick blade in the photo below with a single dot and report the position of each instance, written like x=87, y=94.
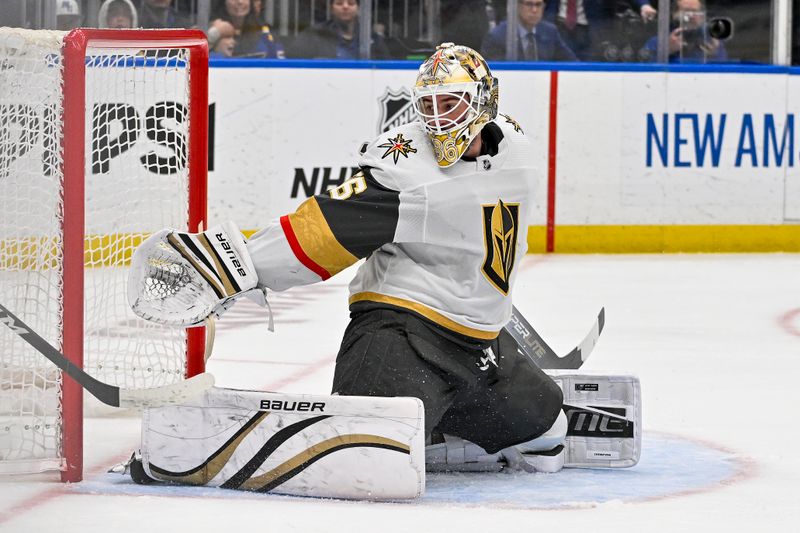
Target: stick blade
x=174, y=393
x=575, y=359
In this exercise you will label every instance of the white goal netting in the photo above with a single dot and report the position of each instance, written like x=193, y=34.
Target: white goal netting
x=136, y=181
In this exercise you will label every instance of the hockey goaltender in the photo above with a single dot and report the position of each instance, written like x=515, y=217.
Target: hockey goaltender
x=425, y=377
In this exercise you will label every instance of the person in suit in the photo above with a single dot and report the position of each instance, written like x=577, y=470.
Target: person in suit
x=537, y=40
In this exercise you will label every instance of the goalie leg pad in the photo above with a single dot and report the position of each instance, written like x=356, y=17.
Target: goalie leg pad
x=308, y=445
x=604, y=420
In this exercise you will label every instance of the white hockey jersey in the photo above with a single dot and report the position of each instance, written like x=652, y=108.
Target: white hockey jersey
x=444, y=243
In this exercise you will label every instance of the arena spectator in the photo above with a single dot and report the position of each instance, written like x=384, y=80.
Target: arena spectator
x=222, y=47
x=689, y=41
x=584, y=23
x=68, y=15
x=537, y=39
x=221, y=30
x=338, y=37
x=236, y=19
x=117, y=14
x=161, y=14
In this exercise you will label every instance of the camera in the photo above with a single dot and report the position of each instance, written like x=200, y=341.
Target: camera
x=696, y=30
x=720, y=28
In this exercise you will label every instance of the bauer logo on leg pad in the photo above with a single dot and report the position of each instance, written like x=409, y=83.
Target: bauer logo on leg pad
x=287, y=405
x=359, y=448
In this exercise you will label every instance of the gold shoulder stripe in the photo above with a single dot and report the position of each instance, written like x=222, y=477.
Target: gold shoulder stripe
x=317, y=240
x=298, y=462
x=427, y=312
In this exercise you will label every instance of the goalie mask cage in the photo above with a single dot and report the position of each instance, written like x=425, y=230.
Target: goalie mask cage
x=103, y=140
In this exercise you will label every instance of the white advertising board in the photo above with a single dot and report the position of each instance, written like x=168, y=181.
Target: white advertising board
x=633, y=148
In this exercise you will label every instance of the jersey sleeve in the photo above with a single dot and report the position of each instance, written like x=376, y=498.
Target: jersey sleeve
x=327, y=233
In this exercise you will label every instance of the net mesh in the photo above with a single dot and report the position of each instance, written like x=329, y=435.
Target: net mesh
x=136, y=182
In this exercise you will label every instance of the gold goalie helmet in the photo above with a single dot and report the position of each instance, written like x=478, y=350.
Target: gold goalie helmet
x=455, y=96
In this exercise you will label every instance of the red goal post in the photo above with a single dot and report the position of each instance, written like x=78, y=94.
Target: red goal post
x=132, y=123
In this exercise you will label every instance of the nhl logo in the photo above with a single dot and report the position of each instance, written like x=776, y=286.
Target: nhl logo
x=396, y=109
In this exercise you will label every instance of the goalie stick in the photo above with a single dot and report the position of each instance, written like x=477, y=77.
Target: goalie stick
x=109, y=394
x=531, y=343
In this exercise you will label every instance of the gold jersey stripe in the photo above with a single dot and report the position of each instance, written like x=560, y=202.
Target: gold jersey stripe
x=308, y=455
x=427, y=312
x=317, y=240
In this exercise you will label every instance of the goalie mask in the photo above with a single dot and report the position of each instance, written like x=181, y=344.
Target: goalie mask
x=454, y=96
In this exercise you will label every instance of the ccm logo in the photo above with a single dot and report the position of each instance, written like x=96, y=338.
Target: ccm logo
x=280, y=405
x=583, y=423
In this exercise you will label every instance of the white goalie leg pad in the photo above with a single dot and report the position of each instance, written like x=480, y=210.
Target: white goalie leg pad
x=180, y=279
x=308, y=445
x=604, y=419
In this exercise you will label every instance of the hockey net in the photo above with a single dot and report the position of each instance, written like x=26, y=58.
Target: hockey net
x=103, y=140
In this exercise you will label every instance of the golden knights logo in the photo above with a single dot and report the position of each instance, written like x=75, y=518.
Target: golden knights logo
x=500, y=227
x=396, y=109
x=397, y=147
x=435, y=68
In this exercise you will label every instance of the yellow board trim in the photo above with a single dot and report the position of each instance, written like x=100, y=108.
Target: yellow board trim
x=427, y=312
x=42, y=253
x=668, y=239
x=317, y=240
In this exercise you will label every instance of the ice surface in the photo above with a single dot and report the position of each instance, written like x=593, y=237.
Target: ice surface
x=715, y=340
